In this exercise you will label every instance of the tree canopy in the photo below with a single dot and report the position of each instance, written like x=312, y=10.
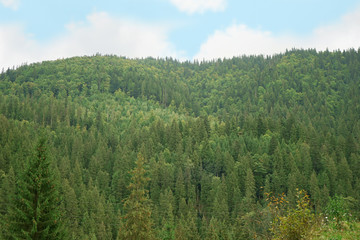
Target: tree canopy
x=212, y=138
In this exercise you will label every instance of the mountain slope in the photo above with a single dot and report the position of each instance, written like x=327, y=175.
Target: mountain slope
x=216, y=136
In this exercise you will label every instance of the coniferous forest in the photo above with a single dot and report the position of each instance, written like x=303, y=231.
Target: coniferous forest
x=106, y=147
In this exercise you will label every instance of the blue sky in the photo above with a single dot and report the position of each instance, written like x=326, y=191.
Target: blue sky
x=32, y=31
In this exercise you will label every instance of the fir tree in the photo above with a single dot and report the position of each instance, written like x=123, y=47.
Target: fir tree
x=35, y=213
x=7, y=191
x=138, y=222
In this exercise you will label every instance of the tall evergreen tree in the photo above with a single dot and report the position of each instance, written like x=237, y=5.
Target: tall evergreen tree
x=315, y=191
x=34, y=212
x=138, y=222
x=7, y=191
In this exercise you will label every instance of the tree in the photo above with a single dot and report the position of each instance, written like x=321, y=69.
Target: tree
x=138, y=222
x=7, y=191
x=250, y=190
x=35, y=213
x=315, y=191
x=220, y=208
x=186, y=227
x=212, y=232
x=71, y=208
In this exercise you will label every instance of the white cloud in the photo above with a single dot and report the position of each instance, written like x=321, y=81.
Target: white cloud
x=16, y=47
x=241, y=40
x=13, y=4
x=107, y=35
x=199, y=6
x=343, y=34
x=237, y=40
x=100, y=33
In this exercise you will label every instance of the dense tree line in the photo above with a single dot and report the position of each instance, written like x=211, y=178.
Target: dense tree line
x=207, y=140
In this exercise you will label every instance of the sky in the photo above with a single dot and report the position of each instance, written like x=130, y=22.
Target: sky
x=37, y=30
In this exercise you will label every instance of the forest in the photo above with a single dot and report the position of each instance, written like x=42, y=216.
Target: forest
x=106, y=147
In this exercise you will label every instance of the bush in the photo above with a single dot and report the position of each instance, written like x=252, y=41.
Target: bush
x=338, y=210
x=291, y=223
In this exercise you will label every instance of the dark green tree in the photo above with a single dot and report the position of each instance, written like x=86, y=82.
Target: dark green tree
x=186, y=227
x=315, y=191
x=34, y=212
x=7, y=192
x=250, y=190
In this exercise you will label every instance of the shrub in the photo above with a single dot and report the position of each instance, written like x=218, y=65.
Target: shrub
x=291, y=223
x=338, y=210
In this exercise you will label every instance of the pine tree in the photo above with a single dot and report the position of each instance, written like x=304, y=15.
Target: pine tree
x=71, y=209
x=7, y=191
x=35, y=213
x=138, y=222
x=315, y=191
x=179, y=188
x=220, y=209
x=212, y=232
x=186, y=227
x=250, y=193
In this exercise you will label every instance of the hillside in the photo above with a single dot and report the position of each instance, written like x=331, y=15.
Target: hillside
x=215, y=138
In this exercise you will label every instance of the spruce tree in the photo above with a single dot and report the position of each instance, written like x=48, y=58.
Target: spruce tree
x=138, y=223
x=34, y=212
x=212, y=232
x=7, y=191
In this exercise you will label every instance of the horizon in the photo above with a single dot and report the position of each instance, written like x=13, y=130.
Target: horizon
x=191, y=61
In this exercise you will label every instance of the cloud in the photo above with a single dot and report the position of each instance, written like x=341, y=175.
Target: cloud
x=13, y=4
x=199, y=6
x=343, y=34
x=16, y=47
x=100, y=33
x=239, y=39
x=107, y=35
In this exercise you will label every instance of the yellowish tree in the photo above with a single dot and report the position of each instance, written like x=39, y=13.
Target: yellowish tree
x=137, y=220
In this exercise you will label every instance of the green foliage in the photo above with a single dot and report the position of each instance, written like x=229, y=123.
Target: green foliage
x=350, y=230
x=216, y=136
x=291, y=223
x=34, y=211
x=338, y=211
x=138, y=222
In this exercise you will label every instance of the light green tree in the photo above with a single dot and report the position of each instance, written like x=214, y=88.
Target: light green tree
x=138, y=223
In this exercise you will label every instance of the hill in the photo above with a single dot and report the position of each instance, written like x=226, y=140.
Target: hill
x=216, y=137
